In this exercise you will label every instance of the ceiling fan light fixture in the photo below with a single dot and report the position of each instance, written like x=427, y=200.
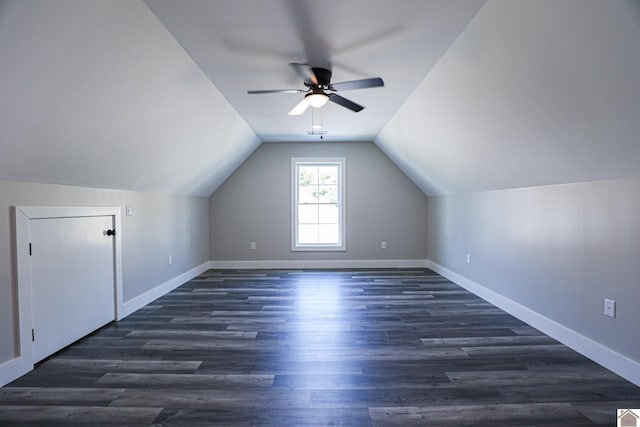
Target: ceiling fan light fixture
x=316, y=100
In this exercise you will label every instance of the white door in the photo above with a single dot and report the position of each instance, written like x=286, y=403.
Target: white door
x=72, y=279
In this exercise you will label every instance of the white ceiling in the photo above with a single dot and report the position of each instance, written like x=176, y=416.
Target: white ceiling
x=151, y=96
x=531, y=93
x=98, y=94
x=248, y=44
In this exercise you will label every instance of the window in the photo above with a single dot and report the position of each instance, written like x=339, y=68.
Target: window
x=318, y=209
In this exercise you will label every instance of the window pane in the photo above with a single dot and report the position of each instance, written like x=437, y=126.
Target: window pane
x=308, y=194
x=328, y=175
x=318, y=189
x=308, y=214
x=307, y=234
x=329, y=214
x=308, y=175
x=328, y=193
x=329, y=233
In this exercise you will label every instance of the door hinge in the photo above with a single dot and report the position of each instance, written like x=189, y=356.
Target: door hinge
x=33, y=335
x=30, y=253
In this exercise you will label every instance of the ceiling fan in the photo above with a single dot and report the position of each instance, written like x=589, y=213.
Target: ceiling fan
x=320, y=90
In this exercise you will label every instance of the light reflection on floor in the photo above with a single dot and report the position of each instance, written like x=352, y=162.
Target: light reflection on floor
x=319, y=325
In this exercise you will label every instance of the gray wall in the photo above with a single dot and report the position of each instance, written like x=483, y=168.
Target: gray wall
x=558, y=250
x=160, y=225
x=253, y=205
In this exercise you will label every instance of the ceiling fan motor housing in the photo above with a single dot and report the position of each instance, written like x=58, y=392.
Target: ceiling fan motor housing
x=323, y=76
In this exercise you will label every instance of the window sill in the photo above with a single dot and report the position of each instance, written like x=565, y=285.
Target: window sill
x=319, y=249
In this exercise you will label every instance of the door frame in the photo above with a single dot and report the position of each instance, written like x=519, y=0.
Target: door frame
x=23, y=214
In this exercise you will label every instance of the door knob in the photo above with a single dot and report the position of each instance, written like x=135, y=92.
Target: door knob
x=111, y=232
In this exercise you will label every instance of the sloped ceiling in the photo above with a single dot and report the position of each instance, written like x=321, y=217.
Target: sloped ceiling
x=248, y=44
x=99, y=94
x=151, y=96
x=531, y=93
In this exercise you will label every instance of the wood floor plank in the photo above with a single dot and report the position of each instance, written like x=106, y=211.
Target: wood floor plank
x=101, y=365
x=481, y=415
x=268, y=417
x=315, y=347
x=185, y=381
x=251, y=400
x=387, y=397
x=90, y=396
x=24, y=415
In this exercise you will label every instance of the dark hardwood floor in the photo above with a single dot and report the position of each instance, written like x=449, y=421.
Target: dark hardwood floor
x=285, y=348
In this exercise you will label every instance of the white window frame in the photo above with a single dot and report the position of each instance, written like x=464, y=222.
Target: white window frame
x=319, y=247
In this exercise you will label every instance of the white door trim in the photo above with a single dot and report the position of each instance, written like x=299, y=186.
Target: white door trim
x=23, y=271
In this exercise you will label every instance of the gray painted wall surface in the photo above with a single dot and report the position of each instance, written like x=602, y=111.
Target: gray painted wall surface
x=558, y=250
x=161, y=225
x=253, y=205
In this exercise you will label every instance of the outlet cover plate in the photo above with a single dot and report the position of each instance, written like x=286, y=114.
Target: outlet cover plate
x=609, y=308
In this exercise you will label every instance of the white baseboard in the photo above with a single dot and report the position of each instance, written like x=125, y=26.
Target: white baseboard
x=13, y=369
x=151, y=295
x=298, y=264
x=610, y=359
x=17, y=367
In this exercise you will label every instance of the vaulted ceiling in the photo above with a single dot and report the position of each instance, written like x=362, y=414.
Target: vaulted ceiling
x=248, y=44
x=531, y=93
x=151, y=96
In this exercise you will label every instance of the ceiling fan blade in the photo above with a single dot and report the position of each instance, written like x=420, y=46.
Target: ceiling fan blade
x=306, y=72
x=258, y=92
x=300, y=108
x=345, y=102
x=358, y=84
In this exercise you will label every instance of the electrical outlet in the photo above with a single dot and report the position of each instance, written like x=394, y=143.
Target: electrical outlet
x=253, y=246
x=468, y=258
x=383, y=244
x=170, y=260
x=609, y=308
